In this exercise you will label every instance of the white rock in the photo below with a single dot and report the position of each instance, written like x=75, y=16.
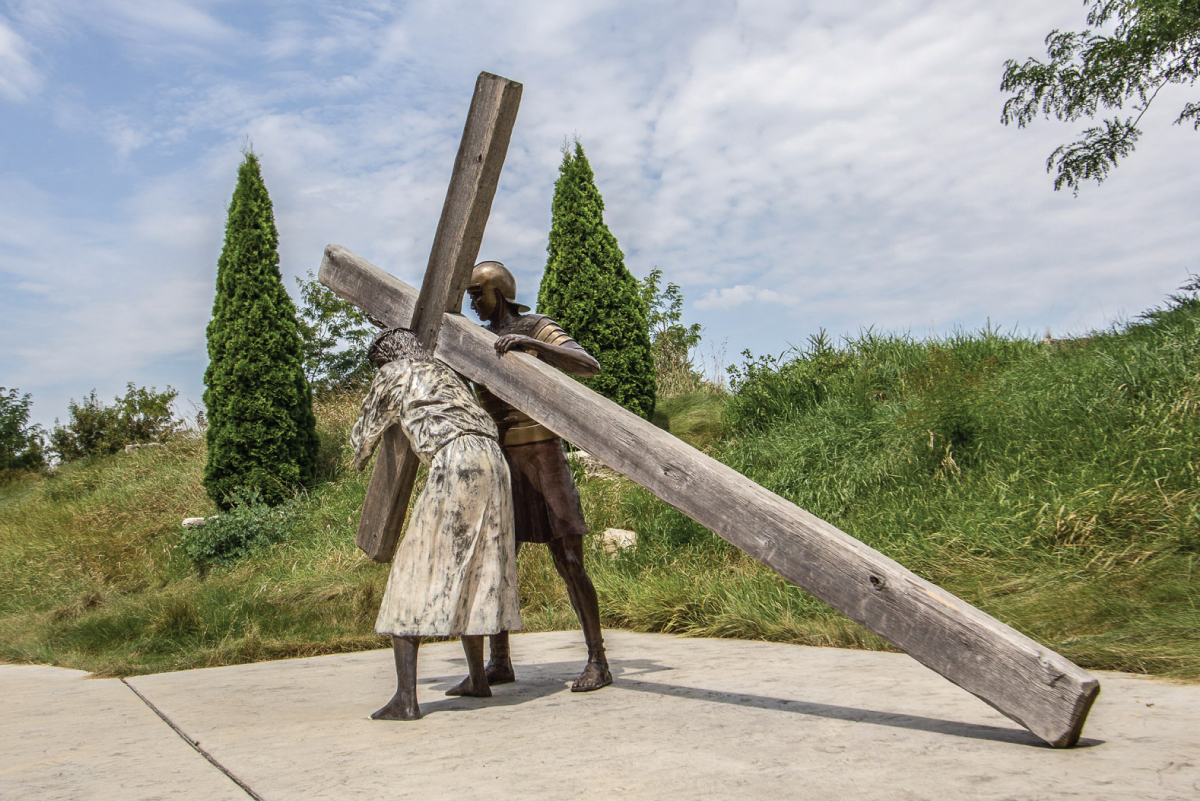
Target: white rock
x=136, y=446
x=192, y=522
x=614, y=539
x=592, y=467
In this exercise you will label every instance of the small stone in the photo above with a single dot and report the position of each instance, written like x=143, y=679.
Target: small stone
x=593, y=467
x=192, y=522
x=136, y=446
x=615, y=539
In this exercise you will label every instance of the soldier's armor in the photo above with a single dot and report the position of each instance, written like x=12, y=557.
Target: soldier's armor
x=516, y=427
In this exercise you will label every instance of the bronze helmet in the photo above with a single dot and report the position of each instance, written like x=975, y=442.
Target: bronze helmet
x=489, y=274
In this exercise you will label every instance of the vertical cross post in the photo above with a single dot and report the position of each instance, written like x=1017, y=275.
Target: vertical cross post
x=481, y=153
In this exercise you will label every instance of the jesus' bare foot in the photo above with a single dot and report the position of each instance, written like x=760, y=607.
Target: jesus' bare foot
x=469, y=688
x=401, y=707
x=500, y=671
x=593, y=677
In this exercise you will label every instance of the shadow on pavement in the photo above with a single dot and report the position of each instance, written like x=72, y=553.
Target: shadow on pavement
x=895, y=719
x=533, y=682
x=539, y=681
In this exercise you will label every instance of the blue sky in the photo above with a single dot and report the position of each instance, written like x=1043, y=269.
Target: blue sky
x=793, y=166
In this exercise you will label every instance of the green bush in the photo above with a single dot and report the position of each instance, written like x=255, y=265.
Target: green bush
x=671, y=342
x=769, y=389
x=335, y=336
x=93, y=429
x=589, y=292
x=261, y=428
x=249, y=525
x=22, y=446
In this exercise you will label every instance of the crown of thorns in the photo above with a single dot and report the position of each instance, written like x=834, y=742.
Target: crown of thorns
x=396, y=343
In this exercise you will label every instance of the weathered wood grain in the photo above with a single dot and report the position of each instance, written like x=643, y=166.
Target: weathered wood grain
x=473, y=183
x=1034, y=686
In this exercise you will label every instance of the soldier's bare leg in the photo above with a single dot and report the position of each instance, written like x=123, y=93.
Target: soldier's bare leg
x=403, y=705
x=476, y=683
x=568, y=561
x=499, y=667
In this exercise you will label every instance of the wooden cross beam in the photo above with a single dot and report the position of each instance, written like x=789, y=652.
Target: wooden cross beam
x=1041, y=690
x=473, y=183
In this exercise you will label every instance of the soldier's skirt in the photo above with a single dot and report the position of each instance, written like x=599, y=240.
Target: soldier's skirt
x=455, y=571
x=546, y=501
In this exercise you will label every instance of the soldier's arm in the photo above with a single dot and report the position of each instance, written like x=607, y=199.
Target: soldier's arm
x=568, y=357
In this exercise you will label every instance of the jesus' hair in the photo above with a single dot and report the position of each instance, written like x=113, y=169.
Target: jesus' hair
x=396, y=343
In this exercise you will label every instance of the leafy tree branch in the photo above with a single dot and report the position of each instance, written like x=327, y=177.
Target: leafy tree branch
x=1152, y=44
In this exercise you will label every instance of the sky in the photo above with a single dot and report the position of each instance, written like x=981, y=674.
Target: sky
x=793, y=166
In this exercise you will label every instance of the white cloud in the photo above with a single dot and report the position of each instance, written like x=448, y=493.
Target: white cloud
x=791, y=166
x=19, y=79
x=728, y=297
x=162, y=24
x=165, y=18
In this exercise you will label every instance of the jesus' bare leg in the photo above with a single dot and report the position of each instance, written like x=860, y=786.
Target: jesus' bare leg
x=499, y=666
x=403, y=705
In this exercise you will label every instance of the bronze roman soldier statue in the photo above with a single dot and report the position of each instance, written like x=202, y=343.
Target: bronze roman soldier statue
x=545, y=501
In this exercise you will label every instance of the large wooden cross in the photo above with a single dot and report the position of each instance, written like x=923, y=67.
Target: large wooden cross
x=473, y=183
x=1038, y=688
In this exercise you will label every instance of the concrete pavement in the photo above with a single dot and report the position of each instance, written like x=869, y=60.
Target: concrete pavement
x=686, y=719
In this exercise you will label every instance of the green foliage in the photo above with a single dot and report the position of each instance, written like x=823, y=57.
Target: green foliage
x=671, y=342
x=247, y=526
x=769, y=389
x=93, y=429
x=335, y=335
x=22, y=446
x=995, y=442
x=1153, y=43
x=261, y=429
x=589, y=292
x=90, y=430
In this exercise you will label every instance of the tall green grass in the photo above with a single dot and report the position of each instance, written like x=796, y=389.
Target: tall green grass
x=1053, y=485
x=95, y=577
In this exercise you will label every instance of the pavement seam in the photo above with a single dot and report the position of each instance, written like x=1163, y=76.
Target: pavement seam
x=193, y=743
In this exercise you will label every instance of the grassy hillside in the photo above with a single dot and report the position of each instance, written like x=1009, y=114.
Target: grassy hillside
x=1053, y=485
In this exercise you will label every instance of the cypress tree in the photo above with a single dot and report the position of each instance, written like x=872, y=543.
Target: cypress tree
x=261, y=428
x=589, y=292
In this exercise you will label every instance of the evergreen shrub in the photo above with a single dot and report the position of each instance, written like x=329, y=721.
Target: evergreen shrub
x=261, y=428
x=588, y=291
